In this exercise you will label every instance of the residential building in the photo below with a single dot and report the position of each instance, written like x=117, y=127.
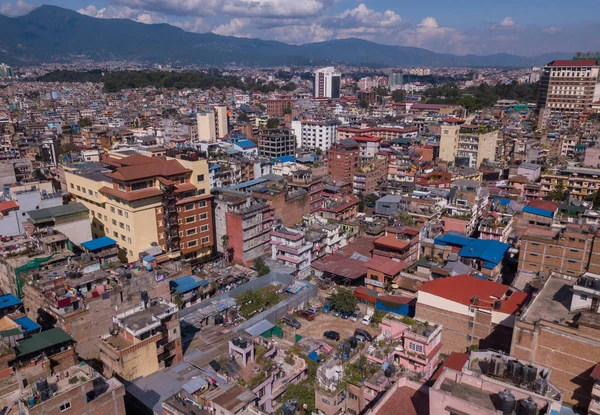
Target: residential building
x=369, y=145
x=580, y=182
x=472, y=311
x=530, y=171
x=140, y=201
x=343, y=160
x=340, y=208
x=368, y=175
x=567, y=89
x=395, y=80
x=213, y=123
x=400, y=244
x=71, y=220
x=316, y=134
x=468, y=200
x=142, y=340
x=312, y=184
x=488, y=384
x=468, y=146
x=279, y=106
x=381, y=272
x=566, y=250
x=385, y=133
x=388, y=205
x=291, y=248
x=594, y=406
x=277, y=142
x=327, y=83
x=558, y=329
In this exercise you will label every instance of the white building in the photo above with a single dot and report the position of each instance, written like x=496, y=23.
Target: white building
x=206, y=126
x=327, y=83
x=315, y=134
x=290, y=247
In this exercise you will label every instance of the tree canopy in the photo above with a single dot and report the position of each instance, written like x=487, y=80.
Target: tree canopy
x=344, y=301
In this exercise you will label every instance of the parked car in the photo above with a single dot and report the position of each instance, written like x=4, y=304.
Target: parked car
x=355, y=316
x=307, y=314
x=326, y=308
x=366, y=320
x=291, y=321
x=363, y=333
x=313, y=310
x=336, y=313
x=346, y=315
x=332, y=335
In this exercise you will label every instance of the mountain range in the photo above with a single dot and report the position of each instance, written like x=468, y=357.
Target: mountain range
x=53, y=34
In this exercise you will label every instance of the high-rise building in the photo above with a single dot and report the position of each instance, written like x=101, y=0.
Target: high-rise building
x=468, y=146
x=277, y=142
x=395, y=80
x=567, y=89
x=315, y=134
x=327, y=83
x=213, y=124
x=5, y=71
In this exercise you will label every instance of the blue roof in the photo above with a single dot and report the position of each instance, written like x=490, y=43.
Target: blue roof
x=490, y=252
x=501, y=201
x=9, y=300
x=187, y=283
x=285, y=159
x=248, y=183
x=538, y=211
x=148, y=258
x=28, y=325
x=214, y=167
x=314, y=356
x=99, y=243
x=245, y=144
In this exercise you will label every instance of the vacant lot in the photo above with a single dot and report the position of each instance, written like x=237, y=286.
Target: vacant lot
x=324, y=322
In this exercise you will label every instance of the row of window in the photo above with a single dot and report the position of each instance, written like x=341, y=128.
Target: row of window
x=194, y=243
x=84, y=190
x=192, y=206
x=193, y=231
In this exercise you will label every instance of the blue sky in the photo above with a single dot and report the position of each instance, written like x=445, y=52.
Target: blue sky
x=462, y=27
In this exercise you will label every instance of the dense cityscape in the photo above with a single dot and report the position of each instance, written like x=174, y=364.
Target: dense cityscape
x=193, y=239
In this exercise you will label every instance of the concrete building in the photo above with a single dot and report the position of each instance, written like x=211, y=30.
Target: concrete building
x=467, y=146
x=142, y=202
x=567, y=89
x=530, y=171
x=206, y=124
x=71, y=220
x=580, y=182
x=488, y=384
x=277, y=142
x=385, y=133
x=368, y=175
x=142, y=340
x=472, y=311
x=291, y=248
x=279, y=106
x=343, y=160
x=369, y=145
x=311, y=184
x=566, y=250
x=315, y=134
x=327, y=83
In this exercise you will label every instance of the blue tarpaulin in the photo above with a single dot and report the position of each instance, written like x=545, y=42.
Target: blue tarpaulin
x=28, y=325
x=538, y=212
x=314, y=356
x=98, y=243
x=188, y=283
x=8, y=300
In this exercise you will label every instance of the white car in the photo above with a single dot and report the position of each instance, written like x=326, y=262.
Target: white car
x=366, y=320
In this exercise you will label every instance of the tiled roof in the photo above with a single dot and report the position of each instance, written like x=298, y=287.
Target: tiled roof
x=130, y=196
x=386, y=266
x=159, y=167
x=391, y=242
x=584, y=62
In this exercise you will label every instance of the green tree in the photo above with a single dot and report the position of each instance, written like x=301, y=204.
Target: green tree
x=290, y=86
x=558, y=194
x=303, y=392
x=363, y=104
x=382, y=91
x=243, y=117
x=344, y=300
x=398, y=95
x=261, y=267
x=371, y=199
x=68, y=148
x=85, y=122
x=273, y=123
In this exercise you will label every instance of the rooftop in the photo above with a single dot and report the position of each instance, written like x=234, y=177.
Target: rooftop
x=552, y=302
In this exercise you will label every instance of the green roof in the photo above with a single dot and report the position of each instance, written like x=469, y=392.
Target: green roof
x=41, y=341
x=48, y=214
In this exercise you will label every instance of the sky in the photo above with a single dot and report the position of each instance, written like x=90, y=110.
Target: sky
x=524, y=27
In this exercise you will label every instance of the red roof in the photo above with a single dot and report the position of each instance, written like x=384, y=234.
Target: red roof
x=366, y=138
x=404, y=400
x=544, y=205
x=391, y=242
x=464, y=288
x=158, y=167
x=456, y=361
x=386, y=266
x=584, y=62
x=596, y=372
x=11, y=204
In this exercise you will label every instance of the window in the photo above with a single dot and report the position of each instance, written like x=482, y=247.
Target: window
x=202, y=203
x=191, y=232
x=116, y=235
x=203, y=228
x=583, y=297
x=72, y=186
x=93, y=213
x=123, y=238
x=201, y=191
x=95, y=194
x=121, y=225
x=114, y=222
x=470, y=324
x=120, y=212
x=191, y=244
x=130, y=252
x=105, y=217
x=181, y=180
x=203, y=216
x=126, y=215
x=65, y=406
x=205, y=239
x=128, y=240
x=326, y=402
x=78, y=188
x=90, y=192
x=416, y=347
x=121, y=186
x=469, y=337
x=189, y=206
x=200, y=177
x=127, y=227
x=190, y=219
x=112, y=209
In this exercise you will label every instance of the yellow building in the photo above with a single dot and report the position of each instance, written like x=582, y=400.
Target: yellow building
x=467, y=146
x=126, y=198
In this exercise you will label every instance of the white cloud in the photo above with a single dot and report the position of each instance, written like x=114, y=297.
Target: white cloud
x=361, y=15
x=19, y=8
x=123, y=12
x=507, y=22
x=552, y=30
x=235, y=27
x=197, y=25
x=430, y=35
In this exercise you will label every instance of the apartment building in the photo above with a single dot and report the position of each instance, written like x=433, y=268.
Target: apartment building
x=369, y=145
x=368, y=175
x=277, y=107
x=213, y=123
x=567, y=89
x=468, y=199
x=343, y=160
x=277, y=142
x=316, y=134
x=327, y=83
x=567, y=250
x=385, y=133
x=580, y=182
x=312, y=184
x=468, y=145
x=472, y=311
x=142, y=340
x=291, y=248
x=140, y=201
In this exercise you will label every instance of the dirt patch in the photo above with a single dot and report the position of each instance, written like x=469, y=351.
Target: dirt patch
x=324, y=322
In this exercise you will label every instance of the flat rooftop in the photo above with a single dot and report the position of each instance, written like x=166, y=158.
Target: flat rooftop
x=552, y=303
x=146, y=316
x=469, y=394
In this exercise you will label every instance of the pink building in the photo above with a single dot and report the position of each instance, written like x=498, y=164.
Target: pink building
x=408, y=343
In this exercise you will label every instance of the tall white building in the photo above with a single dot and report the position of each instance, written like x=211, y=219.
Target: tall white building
x=213, y=124
x=315, y=134
x=327, y=83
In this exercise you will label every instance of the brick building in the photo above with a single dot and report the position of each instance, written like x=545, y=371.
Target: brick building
x=472, y=311
x=277, y=107
x=343, y=160
x=312, y=184
x=368, y=175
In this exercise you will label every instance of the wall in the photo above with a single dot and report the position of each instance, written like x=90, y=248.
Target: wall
x=77, y=231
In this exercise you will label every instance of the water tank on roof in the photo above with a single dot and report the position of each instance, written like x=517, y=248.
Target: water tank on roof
x=492, y=367
x=506, y=402
x=527, y=407
x=529, y=373
x=353, y=342
x=347, y=348
x=389, y=371
x=219, y=319
x=289, y=408
x=243, y=343
x=518, y=375
x=43, y=388
x=510, y=368
x=541, y=386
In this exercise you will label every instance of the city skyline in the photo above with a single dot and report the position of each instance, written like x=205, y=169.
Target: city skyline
x=511, y=27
